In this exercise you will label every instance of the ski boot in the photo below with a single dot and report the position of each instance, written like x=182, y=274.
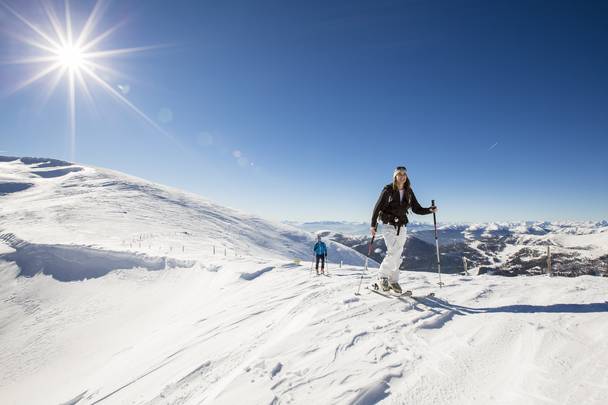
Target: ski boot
x=384, y=285
x=395, y=287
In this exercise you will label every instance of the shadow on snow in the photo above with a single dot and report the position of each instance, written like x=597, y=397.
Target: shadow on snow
x=594, y=307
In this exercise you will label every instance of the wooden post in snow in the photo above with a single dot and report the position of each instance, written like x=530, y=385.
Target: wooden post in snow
x=464, y=262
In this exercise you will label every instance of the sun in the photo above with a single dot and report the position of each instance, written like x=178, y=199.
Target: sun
x=73, y=59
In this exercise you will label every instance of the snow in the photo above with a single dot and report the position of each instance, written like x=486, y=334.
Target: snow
x=197, y=335
x=103, y=209
x=96, y=317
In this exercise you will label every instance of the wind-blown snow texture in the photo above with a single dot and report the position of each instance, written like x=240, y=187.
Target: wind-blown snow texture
x=157, y=325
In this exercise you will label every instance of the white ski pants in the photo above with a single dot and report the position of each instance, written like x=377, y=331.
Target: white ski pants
x=394, y=250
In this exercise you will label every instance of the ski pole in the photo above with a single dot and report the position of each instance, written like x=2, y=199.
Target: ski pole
x=437, y=245
x=369, y=252
x=312, y=264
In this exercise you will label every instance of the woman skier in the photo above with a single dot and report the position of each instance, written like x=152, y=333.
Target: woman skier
x=392, y=206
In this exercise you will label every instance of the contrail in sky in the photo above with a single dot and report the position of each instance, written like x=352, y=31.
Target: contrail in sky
x=493, y=146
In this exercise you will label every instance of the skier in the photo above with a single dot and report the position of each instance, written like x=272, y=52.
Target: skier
x=392, y=206
x=320, y=254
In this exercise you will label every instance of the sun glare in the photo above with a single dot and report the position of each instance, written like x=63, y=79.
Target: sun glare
x=75, y=58
x=71, y=57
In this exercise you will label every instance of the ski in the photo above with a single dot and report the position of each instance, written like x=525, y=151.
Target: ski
x=425, y=300
x=405, y=294
x=376, y=289
x=420, y=298
x=432, y=294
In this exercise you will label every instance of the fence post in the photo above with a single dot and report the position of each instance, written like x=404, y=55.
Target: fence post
x=340, y=263
x=464, y=262
x=225, y=252
x=214, y=250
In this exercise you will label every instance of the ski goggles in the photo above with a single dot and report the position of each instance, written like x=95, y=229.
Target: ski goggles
x=399, y=169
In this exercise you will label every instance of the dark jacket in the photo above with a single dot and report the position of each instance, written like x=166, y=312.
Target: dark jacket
x=393, y=211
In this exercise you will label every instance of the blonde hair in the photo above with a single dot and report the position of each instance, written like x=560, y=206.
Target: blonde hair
x=407, y=187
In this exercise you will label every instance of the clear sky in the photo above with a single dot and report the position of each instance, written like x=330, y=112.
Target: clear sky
x=300, y=110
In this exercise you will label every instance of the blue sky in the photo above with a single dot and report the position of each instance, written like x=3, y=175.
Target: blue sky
x=301, y=110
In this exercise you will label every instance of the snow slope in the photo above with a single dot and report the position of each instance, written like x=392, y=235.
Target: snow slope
x=88, y=316
x=49, y=203
x=262, y=332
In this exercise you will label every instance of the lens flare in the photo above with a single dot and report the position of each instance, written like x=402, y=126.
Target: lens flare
x=75, y=59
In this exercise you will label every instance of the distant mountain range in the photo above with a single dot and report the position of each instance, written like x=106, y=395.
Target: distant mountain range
x=349, y=228
x=508, y=249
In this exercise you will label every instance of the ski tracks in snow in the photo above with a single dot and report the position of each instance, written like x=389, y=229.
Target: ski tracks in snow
x=350, y=347
x=296, y=343
x=284, y=337
x=507, y=355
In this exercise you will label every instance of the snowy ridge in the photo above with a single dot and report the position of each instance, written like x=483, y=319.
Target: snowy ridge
x=66, y=204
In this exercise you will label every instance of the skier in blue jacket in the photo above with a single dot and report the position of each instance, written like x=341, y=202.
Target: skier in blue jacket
x=320, y=254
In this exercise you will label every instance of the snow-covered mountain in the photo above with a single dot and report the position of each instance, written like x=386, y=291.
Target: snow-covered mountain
x=499, y=248
x=110, y=293
x=99, y=219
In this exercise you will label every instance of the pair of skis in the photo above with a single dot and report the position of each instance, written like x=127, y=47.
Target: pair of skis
x=408, y=293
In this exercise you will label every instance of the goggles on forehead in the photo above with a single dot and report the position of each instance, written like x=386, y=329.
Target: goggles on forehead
x=400, y=169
